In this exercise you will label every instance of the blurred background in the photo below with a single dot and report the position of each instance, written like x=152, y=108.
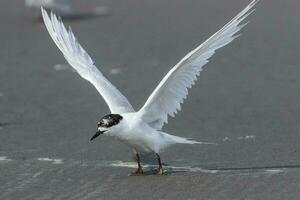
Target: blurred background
x=247, y=100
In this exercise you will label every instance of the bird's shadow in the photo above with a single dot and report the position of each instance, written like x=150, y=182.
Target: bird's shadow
x=152, y=172
x=168, y=170
x=150, y=165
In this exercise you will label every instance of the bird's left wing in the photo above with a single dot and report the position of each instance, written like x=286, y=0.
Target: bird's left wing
x=172, y=90
x=79, y=59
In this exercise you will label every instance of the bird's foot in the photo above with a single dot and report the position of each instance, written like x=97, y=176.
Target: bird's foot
x=159, y=171
x=139, y=171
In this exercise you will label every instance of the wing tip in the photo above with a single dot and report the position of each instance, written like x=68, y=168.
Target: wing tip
x=44, y=12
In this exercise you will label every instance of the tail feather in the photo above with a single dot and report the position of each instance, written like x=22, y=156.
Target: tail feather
x=181, y=140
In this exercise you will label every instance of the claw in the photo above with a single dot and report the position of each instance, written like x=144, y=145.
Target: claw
x=139, y=171
x=159, y=171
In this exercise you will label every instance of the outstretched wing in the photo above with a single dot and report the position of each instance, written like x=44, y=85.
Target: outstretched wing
x=172, y=90
x=78, y=58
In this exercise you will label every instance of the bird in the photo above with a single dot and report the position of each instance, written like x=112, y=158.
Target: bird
x=142, y=129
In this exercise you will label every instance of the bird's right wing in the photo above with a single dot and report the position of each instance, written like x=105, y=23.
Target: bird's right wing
x=78, y=58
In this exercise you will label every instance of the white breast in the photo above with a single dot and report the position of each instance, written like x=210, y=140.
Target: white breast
x=134, y=132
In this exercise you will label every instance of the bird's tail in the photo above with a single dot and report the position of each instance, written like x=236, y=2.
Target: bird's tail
x=181, y=140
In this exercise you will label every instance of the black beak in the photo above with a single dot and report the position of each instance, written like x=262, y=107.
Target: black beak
x=97, y=134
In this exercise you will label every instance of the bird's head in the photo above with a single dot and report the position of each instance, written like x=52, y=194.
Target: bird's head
x=107, y=124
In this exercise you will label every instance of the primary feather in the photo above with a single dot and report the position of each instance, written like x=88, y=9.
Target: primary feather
x=79, y=59
x=172, y=90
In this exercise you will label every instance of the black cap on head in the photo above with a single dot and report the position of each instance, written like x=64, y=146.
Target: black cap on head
x=109, y=120
x=106, y=122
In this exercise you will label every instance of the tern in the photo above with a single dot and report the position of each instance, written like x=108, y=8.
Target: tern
x=142, y=129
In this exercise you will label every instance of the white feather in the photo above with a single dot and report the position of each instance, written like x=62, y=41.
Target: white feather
x=79, y=59
x=167, y=96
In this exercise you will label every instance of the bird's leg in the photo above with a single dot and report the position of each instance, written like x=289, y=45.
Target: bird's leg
x=139, y=169
x=160, y=168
